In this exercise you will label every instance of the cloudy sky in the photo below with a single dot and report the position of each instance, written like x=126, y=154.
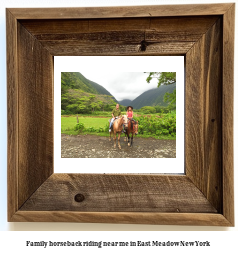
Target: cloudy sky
x=122, y=76
x=122, y=85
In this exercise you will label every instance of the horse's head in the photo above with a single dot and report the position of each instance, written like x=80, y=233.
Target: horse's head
x=125, y=121
x=135, y=127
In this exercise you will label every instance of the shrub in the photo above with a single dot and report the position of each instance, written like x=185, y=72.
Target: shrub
x=79, y=127
x=148, y=110
x=165, y=125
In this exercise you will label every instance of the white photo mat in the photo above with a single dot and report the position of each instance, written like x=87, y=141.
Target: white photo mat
x=123, y=64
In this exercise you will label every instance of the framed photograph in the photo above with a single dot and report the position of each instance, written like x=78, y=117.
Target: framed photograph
x=203, y=195
x=160, y=135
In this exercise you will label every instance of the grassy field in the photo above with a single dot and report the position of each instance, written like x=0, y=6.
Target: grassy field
x=69, y=122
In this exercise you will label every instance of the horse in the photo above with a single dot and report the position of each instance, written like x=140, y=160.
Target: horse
x=117, y=128
x=131, y=129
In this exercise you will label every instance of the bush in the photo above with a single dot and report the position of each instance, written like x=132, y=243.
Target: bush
x=66, y=112
x=148, y=110
x=100, y=129
x=165, y=125
x=79, y=127
x=161, y=109
x=91, y=129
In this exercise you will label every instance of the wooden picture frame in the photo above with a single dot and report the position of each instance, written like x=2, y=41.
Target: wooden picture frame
x=204, y=34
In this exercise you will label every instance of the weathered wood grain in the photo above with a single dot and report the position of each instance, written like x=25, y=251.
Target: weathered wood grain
x=189, y=25
x=77, y=26
x=35, y=110
x=71, y=48
x=121, y=11
x=204, y=114
x=35, y=35
x=140, y=193
x=177, y=25
x=119, y=36
x=12, y=114
x=227, y=113
x=192, y=219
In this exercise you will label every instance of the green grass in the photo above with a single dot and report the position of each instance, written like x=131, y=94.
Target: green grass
x=72, y=132
x=68, y=123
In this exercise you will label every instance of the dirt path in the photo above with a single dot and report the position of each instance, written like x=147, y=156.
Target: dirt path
x=91, y=146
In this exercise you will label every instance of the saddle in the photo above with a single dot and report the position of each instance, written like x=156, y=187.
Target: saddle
x=112, y=122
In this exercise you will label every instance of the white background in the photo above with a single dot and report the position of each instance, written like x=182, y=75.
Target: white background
x=124, y=64
x=15, y=241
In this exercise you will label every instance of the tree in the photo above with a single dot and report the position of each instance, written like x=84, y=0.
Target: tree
x=83, y=99
x=101, y=105
x=161, y=109
x=112, y=106
x=165, y=78
x=94, y=105
x=92, y=97
x=122, y=108
x=148, y=110
x=171, y=98
x=64, y=102
x=72, y=108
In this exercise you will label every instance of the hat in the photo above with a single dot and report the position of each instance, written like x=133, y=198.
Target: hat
x=129, y=107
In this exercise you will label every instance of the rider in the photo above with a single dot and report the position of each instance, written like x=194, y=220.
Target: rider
x=116, y=112
x=129, y=113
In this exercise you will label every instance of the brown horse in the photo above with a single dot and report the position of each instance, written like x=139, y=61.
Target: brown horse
x=131, y=130
x=117, y=128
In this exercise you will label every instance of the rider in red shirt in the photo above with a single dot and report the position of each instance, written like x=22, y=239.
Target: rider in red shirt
x=129, y=112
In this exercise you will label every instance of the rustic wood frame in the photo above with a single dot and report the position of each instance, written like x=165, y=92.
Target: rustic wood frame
x=204, y=34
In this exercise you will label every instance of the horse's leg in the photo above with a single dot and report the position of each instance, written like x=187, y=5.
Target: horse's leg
x=115, y=139
x=132, y=139
x=110, y=137
x=128, y=136
x=119, y=145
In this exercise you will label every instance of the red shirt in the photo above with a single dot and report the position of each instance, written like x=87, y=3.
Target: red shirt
x=129, y=114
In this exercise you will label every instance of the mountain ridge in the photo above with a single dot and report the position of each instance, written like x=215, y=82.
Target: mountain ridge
x=76, y=80
x=151, y=97
x=77, y=86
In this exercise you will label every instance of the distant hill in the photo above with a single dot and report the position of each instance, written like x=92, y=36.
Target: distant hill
x=81, y=95
x=153, y=97
x=125, y=102
x=75, y=80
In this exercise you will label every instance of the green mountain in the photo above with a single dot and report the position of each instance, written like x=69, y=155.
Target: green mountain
x=81, y=95
x=75, y=80
x=153, y=97
x=125, y=102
